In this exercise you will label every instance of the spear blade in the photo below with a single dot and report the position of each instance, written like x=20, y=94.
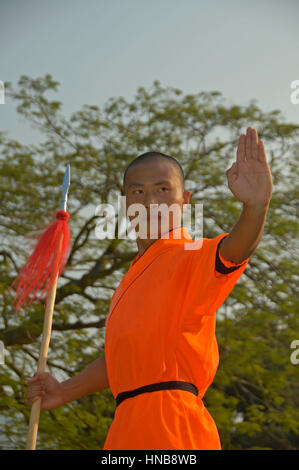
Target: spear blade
x=65, y=187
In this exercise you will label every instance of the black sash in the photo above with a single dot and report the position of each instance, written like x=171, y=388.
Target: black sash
x=171, y=385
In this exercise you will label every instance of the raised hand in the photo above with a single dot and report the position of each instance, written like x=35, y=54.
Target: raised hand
x=249, y=177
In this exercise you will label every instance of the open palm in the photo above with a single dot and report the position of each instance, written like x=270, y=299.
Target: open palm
x=249, y=177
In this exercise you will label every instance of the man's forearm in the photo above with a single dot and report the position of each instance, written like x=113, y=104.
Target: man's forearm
x=92, y=379
x=245, y=235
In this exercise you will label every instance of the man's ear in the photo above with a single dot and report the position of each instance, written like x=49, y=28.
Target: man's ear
x=187, y=197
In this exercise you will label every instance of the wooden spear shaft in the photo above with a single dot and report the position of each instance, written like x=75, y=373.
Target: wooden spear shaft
x=42, y=361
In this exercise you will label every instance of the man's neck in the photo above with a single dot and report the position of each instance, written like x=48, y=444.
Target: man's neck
x=144, y=243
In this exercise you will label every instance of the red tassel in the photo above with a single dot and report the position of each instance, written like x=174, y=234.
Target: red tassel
x=46, y=261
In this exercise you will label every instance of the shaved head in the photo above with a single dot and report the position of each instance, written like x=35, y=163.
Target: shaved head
x=151, y=157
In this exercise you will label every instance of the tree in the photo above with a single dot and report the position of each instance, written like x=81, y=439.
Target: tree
x=253, y=398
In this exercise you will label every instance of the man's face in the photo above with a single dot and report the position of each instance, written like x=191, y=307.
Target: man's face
x=151, y=184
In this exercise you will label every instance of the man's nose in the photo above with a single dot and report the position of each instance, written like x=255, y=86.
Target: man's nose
x=149, y=199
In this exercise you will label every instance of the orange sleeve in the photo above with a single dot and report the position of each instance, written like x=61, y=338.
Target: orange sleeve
x=222, y=265
x=226, y=262
x=210, y=286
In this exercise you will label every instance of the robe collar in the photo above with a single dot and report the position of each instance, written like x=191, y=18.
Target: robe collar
x=178, y=235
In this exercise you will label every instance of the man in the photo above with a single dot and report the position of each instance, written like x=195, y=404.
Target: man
x=161, y=352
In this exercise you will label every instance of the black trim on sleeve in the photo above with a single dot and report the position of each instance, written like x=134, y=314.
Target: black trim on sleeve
x=219, y=266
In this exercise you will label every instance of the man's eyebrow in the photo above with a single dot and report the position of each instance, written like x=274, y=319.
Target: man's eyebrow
x=156, y=184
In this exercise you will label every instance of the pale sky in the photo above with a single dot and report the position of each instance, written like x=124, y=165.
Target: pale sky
x=99, y=49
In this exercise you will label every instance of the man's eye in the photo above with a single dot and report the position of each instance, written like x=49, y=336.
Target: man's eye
x=136, y=190
x=164, y=188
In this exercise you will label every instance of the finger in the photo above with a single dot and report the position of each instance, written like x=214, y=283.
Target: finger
x=241, y=149
x=35, y=393
x=248, y=144
x=261, y=151
x=32, y=380
x=32, y=400
x=35, y=389
x=35, y=380
x=254, y=144
x=38, y=376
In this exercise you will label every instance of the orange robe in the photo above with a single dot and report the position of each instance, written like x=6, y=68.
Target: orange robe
x=161, y=327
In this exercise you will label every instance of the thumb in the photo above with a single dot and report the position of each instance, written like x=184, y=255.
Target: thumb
x=37, y=376
x=33, y=379
x=233, y=170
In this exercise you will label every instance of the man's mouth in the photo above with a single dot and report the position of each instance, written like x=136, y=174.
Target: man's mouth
x=149, y=218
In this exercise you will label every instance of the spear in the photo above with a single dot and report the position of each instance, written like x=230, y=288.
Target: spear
x=44, y=267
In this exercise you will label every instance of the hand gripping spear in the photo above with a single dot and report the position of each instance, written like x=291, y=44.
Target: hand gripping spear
x=45, y=265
